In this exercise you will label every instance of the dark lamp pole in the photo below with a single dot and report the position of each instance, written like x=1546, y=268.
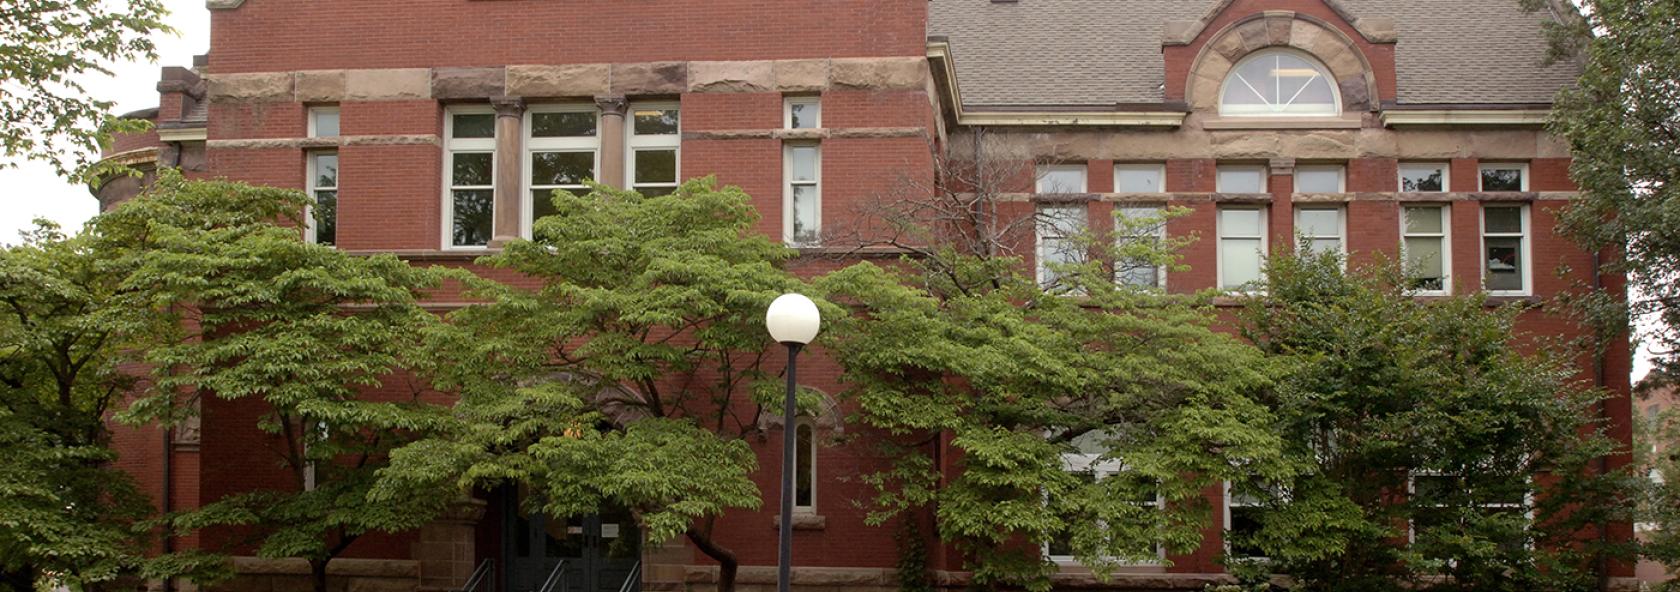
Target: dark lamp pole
x=793, y=321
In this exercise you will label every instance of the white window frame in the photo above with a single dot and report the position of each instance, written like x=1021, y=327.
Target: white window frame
x=1159, y=169
x=787, y=110
x=451, y=146
x=1527, y=504
x=1446, y=175
x=309, y=168
x=810, y=457
x=1312, y=61
x=634, y=142
x=1045, y=228
x=315, y=112
x=1500, y=166
x=1044, y=171
x=1446, y=245
x=1075, y=462
x=788, y=183
x=1527, y=248
x=1219, y=177
x=1225, y=532
x=1340, y=170
x=1341, y=226
x=1219, y=230
x=533, y=145
x=1160, y=235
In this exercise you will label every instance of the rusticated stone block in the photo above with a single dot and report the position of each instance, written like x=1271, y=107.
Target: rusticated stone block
x=320, y=86
x=388, y=84
x=468, y=83
x=1278, y=29
x=754, y=76
x=570, y=80
x=1356, y=95
x=649, y=78
x=267, y=86
x=1254, y=35
x=801, y=75
x=879, y=73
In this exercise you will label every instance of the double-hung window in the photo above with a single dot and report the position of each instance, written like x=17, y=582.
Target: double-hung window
x=323, y=187
x=1061, y=178
x=1244, y=514
x=1059, y=228
x=1140, y=227
x=805, y=467
x=470, y=175
x=562, y=148
x=1504, y=177
x=1241, y=178
x=1320, y=178
x=1422, y=177
x=1425, y=246
x=1140, y=178
x=1242, y=246
x=1505, y=249
x=1324, y=227
x=802, y=194
x=654, y=141
x=1438, y=497
x=1091, y=469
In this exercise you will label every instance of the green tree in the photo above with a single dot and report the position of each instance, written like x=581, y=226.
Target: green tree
x=66, y=516
x=1424, y=419
x=46, y=47
x=319, y=340
x=627, y=373
x=1085, y=418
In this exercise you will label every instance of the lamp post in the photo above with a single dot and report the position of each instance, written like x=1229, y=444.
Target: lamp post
x=793, y=321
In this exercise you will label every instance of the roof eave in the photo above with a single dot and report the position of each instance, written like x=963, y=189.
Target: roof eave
x=945, y=75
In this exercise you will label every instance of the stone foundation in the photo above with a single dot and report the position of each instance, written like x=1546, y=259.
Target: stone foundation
x=343, y=575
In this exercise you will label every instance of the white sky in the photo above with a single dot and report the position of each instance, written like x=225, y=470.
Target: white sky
x=33, y=190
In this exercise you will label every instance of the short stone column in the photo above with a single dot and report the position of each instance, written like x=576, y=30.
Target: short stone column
x=510, y=158
x=612, y=139
x=445, y=550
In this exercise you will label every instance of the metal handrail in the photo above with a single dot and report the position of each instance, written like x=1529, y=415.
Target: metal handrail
x=478, y=576
x=635, y=574
x=555, y=577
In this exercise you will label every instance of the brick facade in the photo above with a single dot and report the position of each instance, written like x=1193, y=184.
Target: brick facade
x=395, y=69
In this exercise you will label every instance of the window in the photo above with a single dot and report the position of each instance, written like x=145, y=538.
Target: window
x=1504, y=177
x=802, y=194
x=1135, y=225
x=1242, y=178
x=1243, y=520
x=1320, y=178
x=1324, y=227
x=655, y=137
x=805, y=467
x=470, y=198
x=1279, y=83
x=1061, y=178
x=322, y=218
x=323, y=122
x=802, y=113
x=1425, y=247
x=1437, y=499
x=1505, y=249
x=1059, y=227
x=1091, y=465
x=1140, y=178
x=1242, y=246
x=1423, y=177
x=561, y=152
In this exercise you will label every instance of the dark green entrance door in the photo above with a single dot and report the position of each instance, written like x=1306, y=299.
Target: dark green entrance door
x=599, y=551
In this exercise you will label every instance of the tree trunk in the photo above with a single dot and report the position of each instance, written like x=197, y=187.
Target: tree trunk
x=318, y=574
x=21, y=579
x=727, y=564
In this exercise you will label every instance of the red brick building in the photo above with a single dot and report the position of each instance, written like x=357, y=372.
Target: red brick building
x=1408, y=128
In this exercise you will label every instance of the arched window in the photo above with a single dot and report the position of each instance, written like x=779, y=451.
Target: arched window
x=1279, y=83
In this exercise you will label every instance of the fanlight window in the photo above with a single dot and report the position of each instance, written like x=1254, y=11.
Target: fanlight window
x=1279, y=84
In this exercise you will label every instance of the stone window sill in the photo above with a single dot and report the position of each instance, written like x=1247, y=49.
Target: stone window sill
x=802, y=521
x=1275, y=123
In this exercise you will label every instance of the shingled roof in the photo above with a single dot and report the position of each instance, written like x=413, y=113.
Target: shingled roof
x=1107, y=52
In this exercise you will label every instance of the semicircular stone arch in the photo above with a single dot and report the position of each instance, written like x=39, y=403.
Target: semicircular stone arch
x=1305, y=33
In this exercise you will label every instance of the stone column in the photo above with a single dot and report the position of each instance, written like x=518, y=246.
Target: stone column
x=445, y=551
x=612, y=139
x=510, y=158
